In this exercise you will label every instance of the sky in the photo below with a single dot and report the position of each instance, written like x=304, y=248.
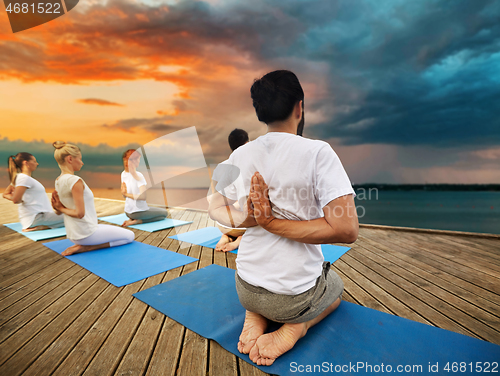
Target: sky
x=404, y=91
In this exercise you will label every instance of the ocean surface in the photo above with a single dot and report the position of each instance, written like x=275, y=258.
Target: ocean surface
x=440, y=210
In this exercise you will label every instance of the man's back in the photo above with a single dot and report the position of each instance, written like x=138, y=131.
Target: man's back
x=303, y=175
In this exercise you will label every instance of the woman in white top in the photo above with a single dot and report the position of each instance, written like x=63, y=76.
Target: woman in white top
x=134, y=190
x=75, y=200
x=35, y=212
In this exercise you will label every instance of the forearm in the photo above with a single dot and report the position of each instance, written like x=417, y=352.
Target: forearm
x=227, y=216
x=140, y=196
x=231, y=217
x=70, y=212
x=7, y=196
x=316, y=231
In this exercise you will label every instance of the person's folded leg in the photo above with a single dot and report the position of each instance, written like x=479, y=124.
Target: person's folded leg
x=292, y=308
x=49, y=219
x=113, y=235
x=150, y=215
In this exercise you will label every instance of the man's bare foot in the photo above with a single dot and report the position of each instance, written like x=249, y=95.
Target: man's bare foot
x=130, y=222
x=254, y=326
x=231, y=246
x=222, y=242
x=271, y=345
x=37, y=228
x=75, y=248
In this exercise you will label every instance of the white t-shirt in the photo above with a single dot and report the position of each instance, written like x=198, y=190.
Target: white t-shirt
x=35, y=199
x=133, y=187
x=303, y=176
x=77, y=228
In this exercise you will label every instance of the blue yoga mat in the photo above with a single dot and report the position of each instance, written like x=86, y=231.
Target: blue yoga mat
x=205, y=301
x=38, y=235
x=124, y=264
x=209, y=237
x=150, y=227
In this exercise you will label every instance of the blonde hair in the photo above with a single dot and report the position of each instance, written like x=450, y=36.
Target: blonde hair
x=63, y=150
x=15, y=163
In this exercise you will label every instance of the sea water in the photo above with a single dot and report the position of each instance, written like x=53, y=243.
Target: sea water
x=441, y=210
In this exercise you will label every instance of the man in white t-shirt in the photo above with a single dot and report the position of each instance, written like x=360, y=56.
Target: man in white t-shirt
x=297, y=196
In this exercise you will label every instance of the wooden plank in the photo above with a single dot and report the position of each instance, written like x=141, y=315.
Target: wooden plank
x=460, y=278
x=109, y=355
x=395, y=306
x=167, y=350
x=473, y=248
x=28, y=308
x=359, y=295
x=474, y=305
x=437, y=311
x=137, y=357
x=50, y=359
x=221, y=361
x=12, y=250
x=47, y=275
x=81, y=296
x=34, y=280
x=453, y=253
x=246, y=369
x=76, y=362
x=27, y=270
x=36, y=253
x=126, y=340
x=193, y=359
x=168, y=346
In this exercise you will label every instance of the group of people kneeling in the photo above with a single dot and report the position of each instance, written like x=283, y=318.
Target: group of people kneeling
x=281, y=274
x=72, y=202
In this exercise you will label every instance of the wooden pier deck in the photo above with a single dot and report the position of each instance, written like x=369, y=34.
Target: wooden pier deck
x=57, y=318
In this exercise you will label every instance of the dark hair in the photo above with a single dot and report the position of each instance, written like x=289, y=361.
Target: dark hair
x=237, y=138
x=275, y=95
x=15, y=163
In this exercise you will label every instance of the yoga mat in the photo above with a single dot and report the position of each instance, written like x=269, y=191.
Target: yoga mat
x=209, y=237
x=353, y=337
x=150, y=227
x=124, y=264
x=38, y=235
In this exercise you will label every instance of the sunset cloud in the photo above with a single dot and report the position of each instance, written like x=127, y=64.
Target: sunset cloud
x=99, y=102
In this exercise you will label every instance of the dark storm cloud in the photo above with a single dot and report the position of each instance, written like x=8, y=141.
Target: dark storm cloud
x=421, y=73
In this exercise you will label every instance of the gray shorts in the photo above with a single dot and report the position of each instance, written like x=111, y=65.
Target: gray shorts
x=292, y=309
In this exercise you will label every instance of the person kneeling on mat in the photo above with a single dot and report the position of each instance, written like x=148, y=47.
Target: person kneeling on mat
x=134, y=190
x=35, y=212
x=231, y=237
x=308, y=200
x=75, y=200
